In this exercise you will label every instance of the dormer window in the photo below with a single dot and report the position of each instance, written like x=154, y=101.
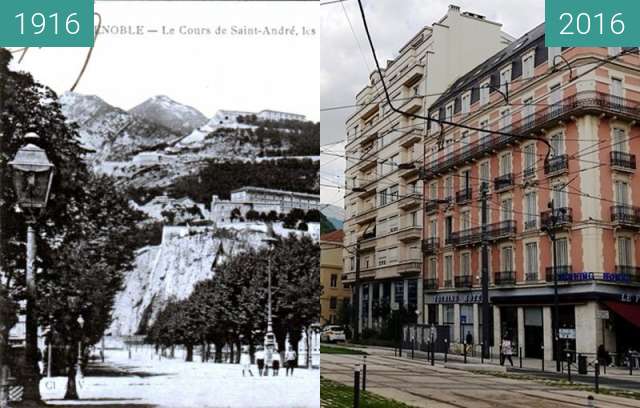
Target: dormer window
x=505, y=79
x=466, y=103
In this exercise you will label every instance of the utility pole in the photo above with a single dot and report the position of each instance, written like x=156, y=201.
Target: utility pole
x=486, y=318
x=5, y=57
x=356, y=296
x=556, y=308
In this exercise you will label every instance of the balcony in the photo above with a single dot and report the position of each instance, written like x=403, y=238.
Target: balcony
x=556, y=165
x=463, y=196
x=410, y=267
x=623, y=161
x=531, y=277
x=410, y=201
x=411, y=137
x=563, y=273
x=628, y=274
x=365, y=188
x=413, y=105
x=625, y=216
x=501, y=230
x=448, y=283
x=430, y=246
x=531, y=225
x=431, y=206
x=562, y=217
x=505, y=278
x=503, y=182
x=529, y=173
x=430, y=284
x=412, y=75
x=465, y=237
x=365, y=217
x=409, y=168
x=410, y=234
x=464, y=281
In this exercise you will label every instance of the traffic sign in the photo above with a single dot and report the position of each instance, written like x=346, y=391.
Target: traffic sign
x=603, y=314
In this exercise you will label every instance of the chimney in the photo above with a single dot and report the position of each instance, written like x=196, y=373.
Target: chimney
x=454, y=8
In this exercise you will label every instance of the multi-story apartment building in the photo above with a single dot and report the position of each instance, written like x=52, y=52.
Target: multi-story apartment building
x=582, y=106
x=334, y=293
x=385, y=151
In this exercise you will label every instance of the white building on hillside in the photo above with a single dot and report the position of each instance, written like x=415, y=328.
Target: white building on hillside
x=262, y=200
x=276, y=115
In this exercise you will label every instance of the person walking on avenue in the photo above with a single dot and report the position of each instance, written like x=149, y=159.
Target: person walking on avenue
x=290, y=358
x=245, y=361
x=268, y=360
x=275, y=366
x=260, y=359
x=506, y=351
x=469, y=341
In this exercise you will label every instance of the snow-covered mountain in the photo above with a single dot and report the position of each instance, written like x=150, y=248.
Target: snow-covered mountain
x=181, y=119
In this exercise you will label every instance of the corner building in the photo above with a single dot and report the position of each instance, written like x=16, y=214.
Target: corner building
x=384, y=202
x=585, y=103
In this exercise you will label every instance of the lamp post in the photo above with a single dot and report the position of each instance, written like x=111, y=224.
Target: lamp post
x=32, y=177
x=81, y=325
x=269, y=338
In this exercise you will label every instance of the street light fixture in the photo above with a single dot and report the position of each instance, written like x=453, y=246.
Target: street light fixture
x=32, y=178
x=81, y=324
x=269, y=338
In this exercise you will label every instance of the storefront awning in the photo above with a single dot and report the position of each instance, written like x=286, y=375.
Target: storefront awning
x=628, y=311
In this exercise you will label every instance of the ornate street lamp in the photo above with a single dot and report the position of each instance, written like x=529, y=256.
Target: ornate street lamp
x=81, y=324
x=269, y=338
x=32, y=177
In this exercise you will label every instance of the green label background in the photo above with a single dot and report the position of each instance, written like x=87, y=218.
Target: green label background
x=10, y=26
x=630, y=10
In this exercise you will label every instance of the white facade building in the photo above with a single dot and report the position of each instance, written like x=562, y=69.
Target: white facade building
x=262, y=200
x=276, y=115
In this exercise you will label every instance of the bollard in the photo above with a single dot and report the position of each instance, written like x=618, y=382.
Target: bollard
x=356, y=386
x=597, y=377
x=464, y=352
x=520, y=355
x=542, y=348
x=590, y=401
x=364, y=374
x=433, y=353
x=413, y=346
x=481, y=353
x=446, y=349
x=630, y=364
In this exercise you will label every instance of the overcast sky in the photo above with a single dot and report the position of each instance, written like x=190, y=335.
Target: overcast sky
x=207, y=72
x=345, y=65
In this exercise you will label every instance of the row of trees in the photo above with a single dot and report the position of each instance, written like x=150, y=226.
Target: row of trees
x=231, y=307
x=85, y=235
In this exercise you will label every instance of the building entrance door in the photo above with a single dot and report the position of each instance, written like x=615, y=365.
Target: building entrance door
x=533, y=333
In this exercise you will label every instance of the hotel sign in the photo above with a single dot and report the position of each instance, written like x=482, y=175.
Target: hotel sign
x=591, y=276
x=630, y=297
x=451, y=298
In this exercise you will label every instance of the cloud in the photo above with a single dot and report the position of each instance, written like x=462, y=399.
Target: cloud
x=345, y=67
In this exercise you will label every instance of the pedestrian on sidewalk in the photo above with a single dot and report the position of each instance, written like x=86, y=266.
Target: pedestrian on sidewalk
x=268, y=360
x=245, y=361
x=275, y=366
x=290, y=356
x=260, y=359
x=506, y=351
x=469, y=342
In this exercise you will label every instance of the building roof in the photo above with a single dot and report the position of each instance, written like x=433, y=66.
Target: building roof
x=274, y=111
x=272, y=191
x=334, y=236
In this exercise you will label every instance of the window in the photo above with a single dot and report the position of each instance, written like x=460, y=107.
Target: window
x=553, y=53
x=622, y=192
x=555, y=96
x=484, y=93
x=392, y=255
x=484, y=136
x=506, y=208
x=432, y=268
x=433, y=190
x=465, y=220
x=505, y=78
x=464, y=139
x=333, y=302
x=527, y=66
x=448, y=188
x=334, y=280
x=531, y=259
x=484, y=174
x=505, y=120
x=557, y=144
x=529, y=160
x=620, y=140
x=505, y=164
x=449, y=112
x=382, y=257
x=448, y=269
x=465, y=264
x=393, y=193
x=624, y=251
x=383, y=197
x=393, y=223
x=448, y=227
x=559, y=196
x=352, y=263
x=562, y=252
x=530, y=210
x=435, y=125
x=433, y=228
x=528, y=111
x=448, y=146
x=413, y=219
x=398, y=288
x=466, y=103
x=616, y=87
x=507, y=259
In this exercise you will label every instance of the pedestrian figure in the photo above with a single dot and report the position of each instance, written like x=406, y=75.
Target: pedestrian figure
x=268, y=360
x=469, y=341
x=290, y=358
x=506, y=351
x=275, y=366
x=260, y=359
x=245, y=361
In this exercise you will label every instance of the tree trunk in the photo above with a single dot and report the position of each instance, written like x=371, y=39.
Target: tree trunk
x=172, y=353
x=204, y=352
x=189, y=352
x=218, y=353
x=231, y=352
x=72, y=391
x=239, y=347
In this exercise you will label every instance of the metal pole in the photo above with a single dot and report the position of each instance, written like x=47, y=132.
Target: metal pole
x=364, y=374
x=400, y=333
x=356, y=297
x=597, y=377
x=413, y=345
x=32, y=377
x=49, y=355
x=542, y=358
x=486, y=341
x=464, y=351
x=630, y=363
x=433, y=349
x=556, y=307
x=569, y=366
x=446, y=349
x=482, y=354
x=80, y=359
x=356, y=387
x=520, y=355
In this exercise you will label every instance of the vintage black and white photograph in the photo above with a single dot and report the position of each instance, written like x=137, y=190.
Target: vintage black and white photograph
x=160, y=211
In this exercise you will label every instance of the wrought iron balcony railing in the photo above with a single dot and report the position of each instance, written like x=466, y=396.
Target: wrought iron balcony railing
x=501, y=229
x=505, y=278
x=623, y=160
x=530, y=224
x=464, y=281
x=430, y=245
x=625, y=215
x=430, y=284
x=581, y=102
x=504, y=181
x=448, y=283
x=560, y=269
x=556, y=164
x=533, y=276
x=563, y=217
x=630, y=273
x=431, y=206
x=464, y=196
